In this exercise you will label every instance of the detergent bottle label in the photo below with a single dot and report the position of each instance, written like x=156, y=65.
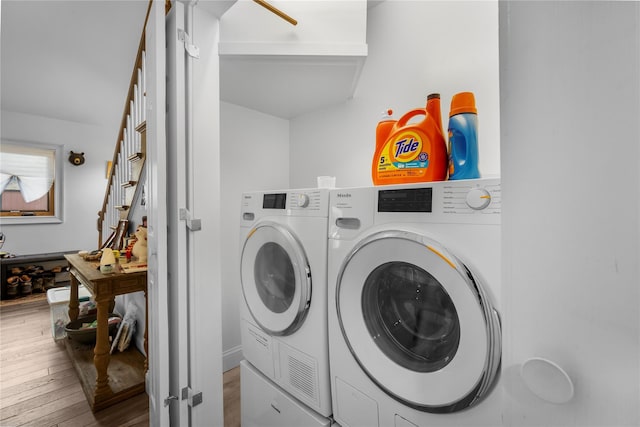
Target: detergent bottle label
x=408, y=152
x=403, y=155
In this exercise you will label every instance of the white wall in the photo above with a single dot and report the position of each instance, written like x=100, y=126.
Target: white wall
x=415, y=48
x=570, y=100
x=84, y=185
x=254, y=152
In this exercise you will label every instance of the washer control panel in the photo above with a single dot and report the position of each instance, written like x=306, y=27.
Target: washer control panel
x=471, y=196
x=474, y=201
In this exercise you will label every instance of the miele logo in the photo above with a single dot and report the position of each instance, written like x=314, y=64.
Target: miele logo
x=343, y=195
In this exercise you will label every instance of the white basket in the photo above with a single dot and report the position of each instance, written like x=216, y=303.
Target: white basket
x=59, y=304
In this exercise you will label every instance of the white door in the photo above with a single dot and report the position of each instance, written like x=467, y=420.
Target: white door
x=418, y=322
x=276, y=278
x=194, y=215
x=157, y=295
x=177, y=232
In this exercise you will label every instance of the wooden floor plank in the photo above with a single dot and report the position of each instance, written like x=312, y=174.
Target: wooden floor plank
x=37, y=403
x=36, y=383
x=9, y=345
x=16, y=367
x=62, y=415
x=27, y=351
x=34, y=393
x=43, y=412
x=40, y=373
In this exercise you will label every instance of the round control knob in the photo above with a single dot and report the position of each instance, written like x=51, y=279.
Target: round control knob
x=303, y=200
x=478, y=198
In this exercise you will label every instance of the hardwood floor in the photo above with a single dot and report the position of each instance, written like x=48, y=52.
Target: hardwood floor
x=231, y=387
x=39, y=387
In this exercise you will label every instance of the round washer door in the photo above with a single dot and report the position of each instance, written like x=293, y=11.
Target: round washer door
x=418, y=322
x=276, y=278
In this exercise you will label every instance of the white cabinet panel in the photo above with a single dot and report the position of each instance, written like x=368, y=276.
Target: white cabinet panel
x=271, y=66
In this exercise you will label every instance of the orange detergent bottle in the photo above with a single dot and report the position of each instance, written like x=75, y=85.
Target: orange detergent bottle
x=411, y=152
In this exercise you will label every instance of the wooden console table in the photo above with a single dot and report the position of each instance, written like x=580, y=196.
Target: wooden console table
x=106, y=379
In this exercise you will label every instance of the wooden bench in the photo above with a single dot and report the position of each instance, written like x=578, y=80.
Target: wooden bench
x=51, y=258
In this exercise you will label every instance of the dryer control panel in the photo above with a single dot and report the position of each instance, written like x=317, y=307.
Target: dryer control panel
x=304, y=202
x=306, y=199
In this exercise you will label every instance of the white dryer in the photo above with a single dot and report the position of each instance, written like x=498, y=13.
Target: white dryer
x=283, y=266
x=414, y=332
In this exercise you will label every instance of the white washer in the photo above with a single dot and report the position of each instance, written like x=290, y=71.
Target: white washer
x=414, y=333
x=284, y=283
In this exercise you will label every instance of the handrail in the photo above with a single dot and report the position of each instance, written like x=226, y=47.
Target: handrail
x=123, y=124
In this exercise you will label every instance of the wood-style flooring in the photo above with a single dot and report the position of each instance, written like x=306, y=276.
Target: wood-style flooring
x=39, y=386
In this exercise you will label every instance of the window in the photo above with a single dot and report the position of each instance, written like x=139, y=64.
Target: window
x=30, y=182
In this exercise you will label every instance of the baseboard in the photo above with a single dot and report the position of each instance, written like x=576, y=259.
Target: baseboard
x=231, y=358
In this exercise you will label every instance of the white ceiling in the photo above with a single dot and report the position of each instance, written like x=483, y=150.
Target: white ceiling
x=69, y=60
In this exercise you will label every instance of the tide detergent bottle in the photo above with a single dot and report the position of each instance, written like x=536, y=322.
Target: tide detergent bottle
x=463, y=137
x=411, y=152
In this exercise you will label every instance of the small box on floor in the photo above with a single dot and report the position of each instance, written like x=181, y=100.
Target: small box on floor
x=58, y=299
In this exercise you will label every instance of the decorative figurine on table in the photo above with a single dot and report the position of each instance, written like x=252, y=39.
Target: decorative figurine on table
x=139, y=249
x=107, y=261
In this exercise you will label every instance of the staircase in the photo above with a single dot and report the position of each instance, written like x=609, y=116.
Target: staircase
x=124, y=187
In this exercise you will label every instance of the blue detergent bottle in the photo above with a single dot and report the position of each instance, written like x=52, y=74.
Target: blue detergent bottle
x=463, y=137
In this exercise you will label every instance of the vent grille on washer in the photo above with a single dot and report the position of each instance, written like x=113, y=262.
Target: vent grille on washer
x=302, y=376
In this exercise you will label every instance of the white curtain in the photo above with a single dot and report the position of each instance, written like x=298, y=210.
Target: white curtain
x=31, y=169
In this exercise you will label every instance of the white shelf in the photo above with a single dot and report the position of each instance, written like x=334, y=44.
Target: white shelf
x=289, y=84
x=286, y=70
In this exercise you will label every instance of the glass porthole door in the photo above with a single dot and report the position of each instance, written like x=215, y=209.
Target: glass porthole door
x=418, y=322
x=276, y=278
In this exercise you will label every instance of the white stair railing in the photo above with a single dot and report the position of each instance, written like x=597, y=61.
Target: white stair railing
x=128, y=160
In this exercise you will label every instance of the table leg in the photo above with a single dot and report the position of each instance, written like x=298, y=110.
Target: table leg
x=73, y=298
x=101, y=351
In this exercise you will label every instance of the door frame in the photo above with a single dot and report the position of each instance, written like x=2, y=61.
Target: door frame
x=157, y=381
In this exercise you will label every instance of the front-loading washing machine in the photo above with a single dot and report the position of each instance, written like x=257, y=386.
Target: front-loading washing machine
x=414, y=330
x=283, y=265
